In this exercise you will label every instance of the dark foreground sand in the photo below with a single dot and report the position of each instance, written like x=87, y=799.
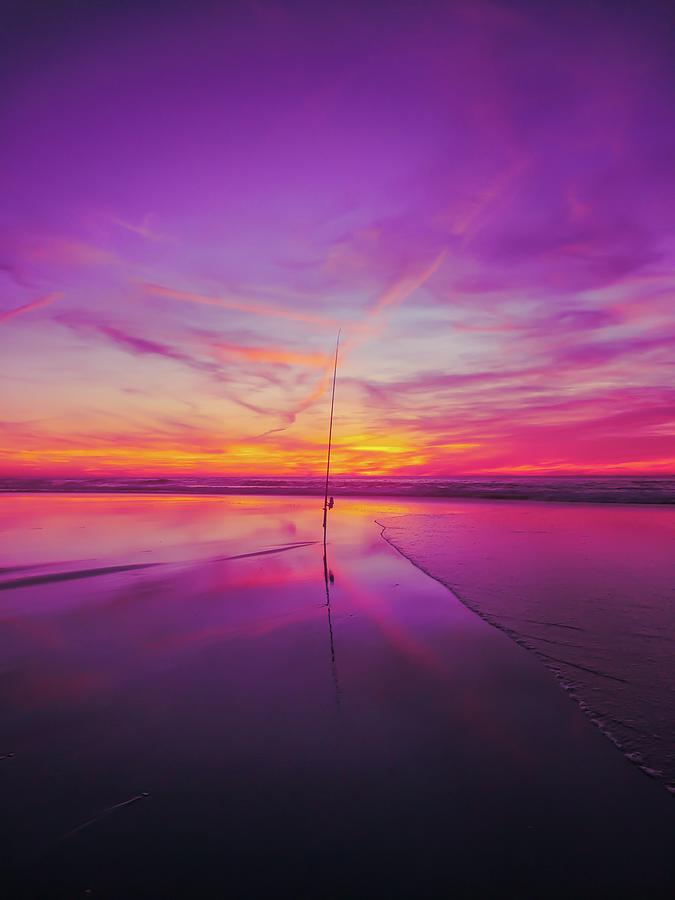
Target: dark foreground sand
x=201, y=727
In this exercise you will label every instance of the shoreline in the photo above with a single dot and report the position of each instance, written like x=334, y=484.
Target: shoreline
x=295, y=491
x=621, y=685
x=594, y=717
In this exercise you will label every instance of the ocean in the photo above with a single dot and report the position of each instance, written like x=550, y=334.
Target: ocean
x=563, y=488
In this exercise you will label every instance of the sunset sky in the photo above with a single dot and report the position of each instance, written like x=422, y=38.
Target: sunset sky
x=196, y=196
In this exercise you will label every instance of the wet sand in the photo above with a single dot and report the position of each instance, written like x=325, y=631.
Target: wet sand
x=201, y=723
x=590, y=590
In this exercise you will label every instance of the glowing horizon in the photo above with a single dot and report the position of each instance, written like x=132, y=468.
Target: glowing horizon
x=478, y=194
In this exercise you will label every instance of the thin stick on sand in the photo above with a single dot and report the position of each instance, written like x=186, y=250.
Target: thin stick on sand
x=105, y=812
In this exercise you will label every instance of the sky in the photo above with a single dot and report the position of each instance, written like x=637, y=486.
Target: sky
x=196, y=196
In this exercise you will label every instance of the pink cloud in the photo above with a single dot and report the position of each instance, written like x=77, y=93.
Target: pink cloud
x=8, y=314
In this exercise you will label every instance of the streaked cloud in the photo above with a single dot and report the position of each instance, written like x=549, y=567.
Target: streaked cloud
x=7, y=314
x=479, y=197
x=238, y=305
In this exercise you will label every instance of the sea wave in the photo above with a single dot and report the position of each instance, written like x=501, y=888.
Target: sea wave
x=588, y=590
x=561, y=488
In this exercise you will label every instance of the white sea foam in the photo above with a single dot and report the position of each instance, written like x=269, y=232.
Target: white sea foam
x=589, y=589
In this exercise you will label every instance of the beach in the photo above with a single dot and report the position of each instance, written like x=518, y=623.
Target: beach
x=337, y=457
x=190, y=709
x=590, y=592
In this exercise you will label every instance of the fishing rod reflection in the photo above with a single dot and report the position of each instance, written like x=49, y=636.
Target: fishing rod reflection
x=329, y=581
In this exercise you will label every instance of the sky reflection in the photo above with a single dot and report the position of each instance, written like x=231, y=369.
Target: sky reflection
x=210, y=685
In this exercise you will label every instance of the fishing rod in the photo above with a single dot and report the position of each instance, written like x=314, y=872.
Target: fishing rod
x=327, y=574
x=330, y=438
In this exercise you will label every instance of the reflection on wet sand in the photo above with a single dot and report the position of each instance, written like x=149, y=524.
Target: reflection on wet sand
x=329, y=579
x=367, y=734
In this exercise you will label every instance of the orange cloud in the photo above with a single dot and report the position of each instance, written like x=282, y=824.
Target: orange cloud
x=237, y=305
x=271, y=355
x=665, y=466
x=62, y=251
